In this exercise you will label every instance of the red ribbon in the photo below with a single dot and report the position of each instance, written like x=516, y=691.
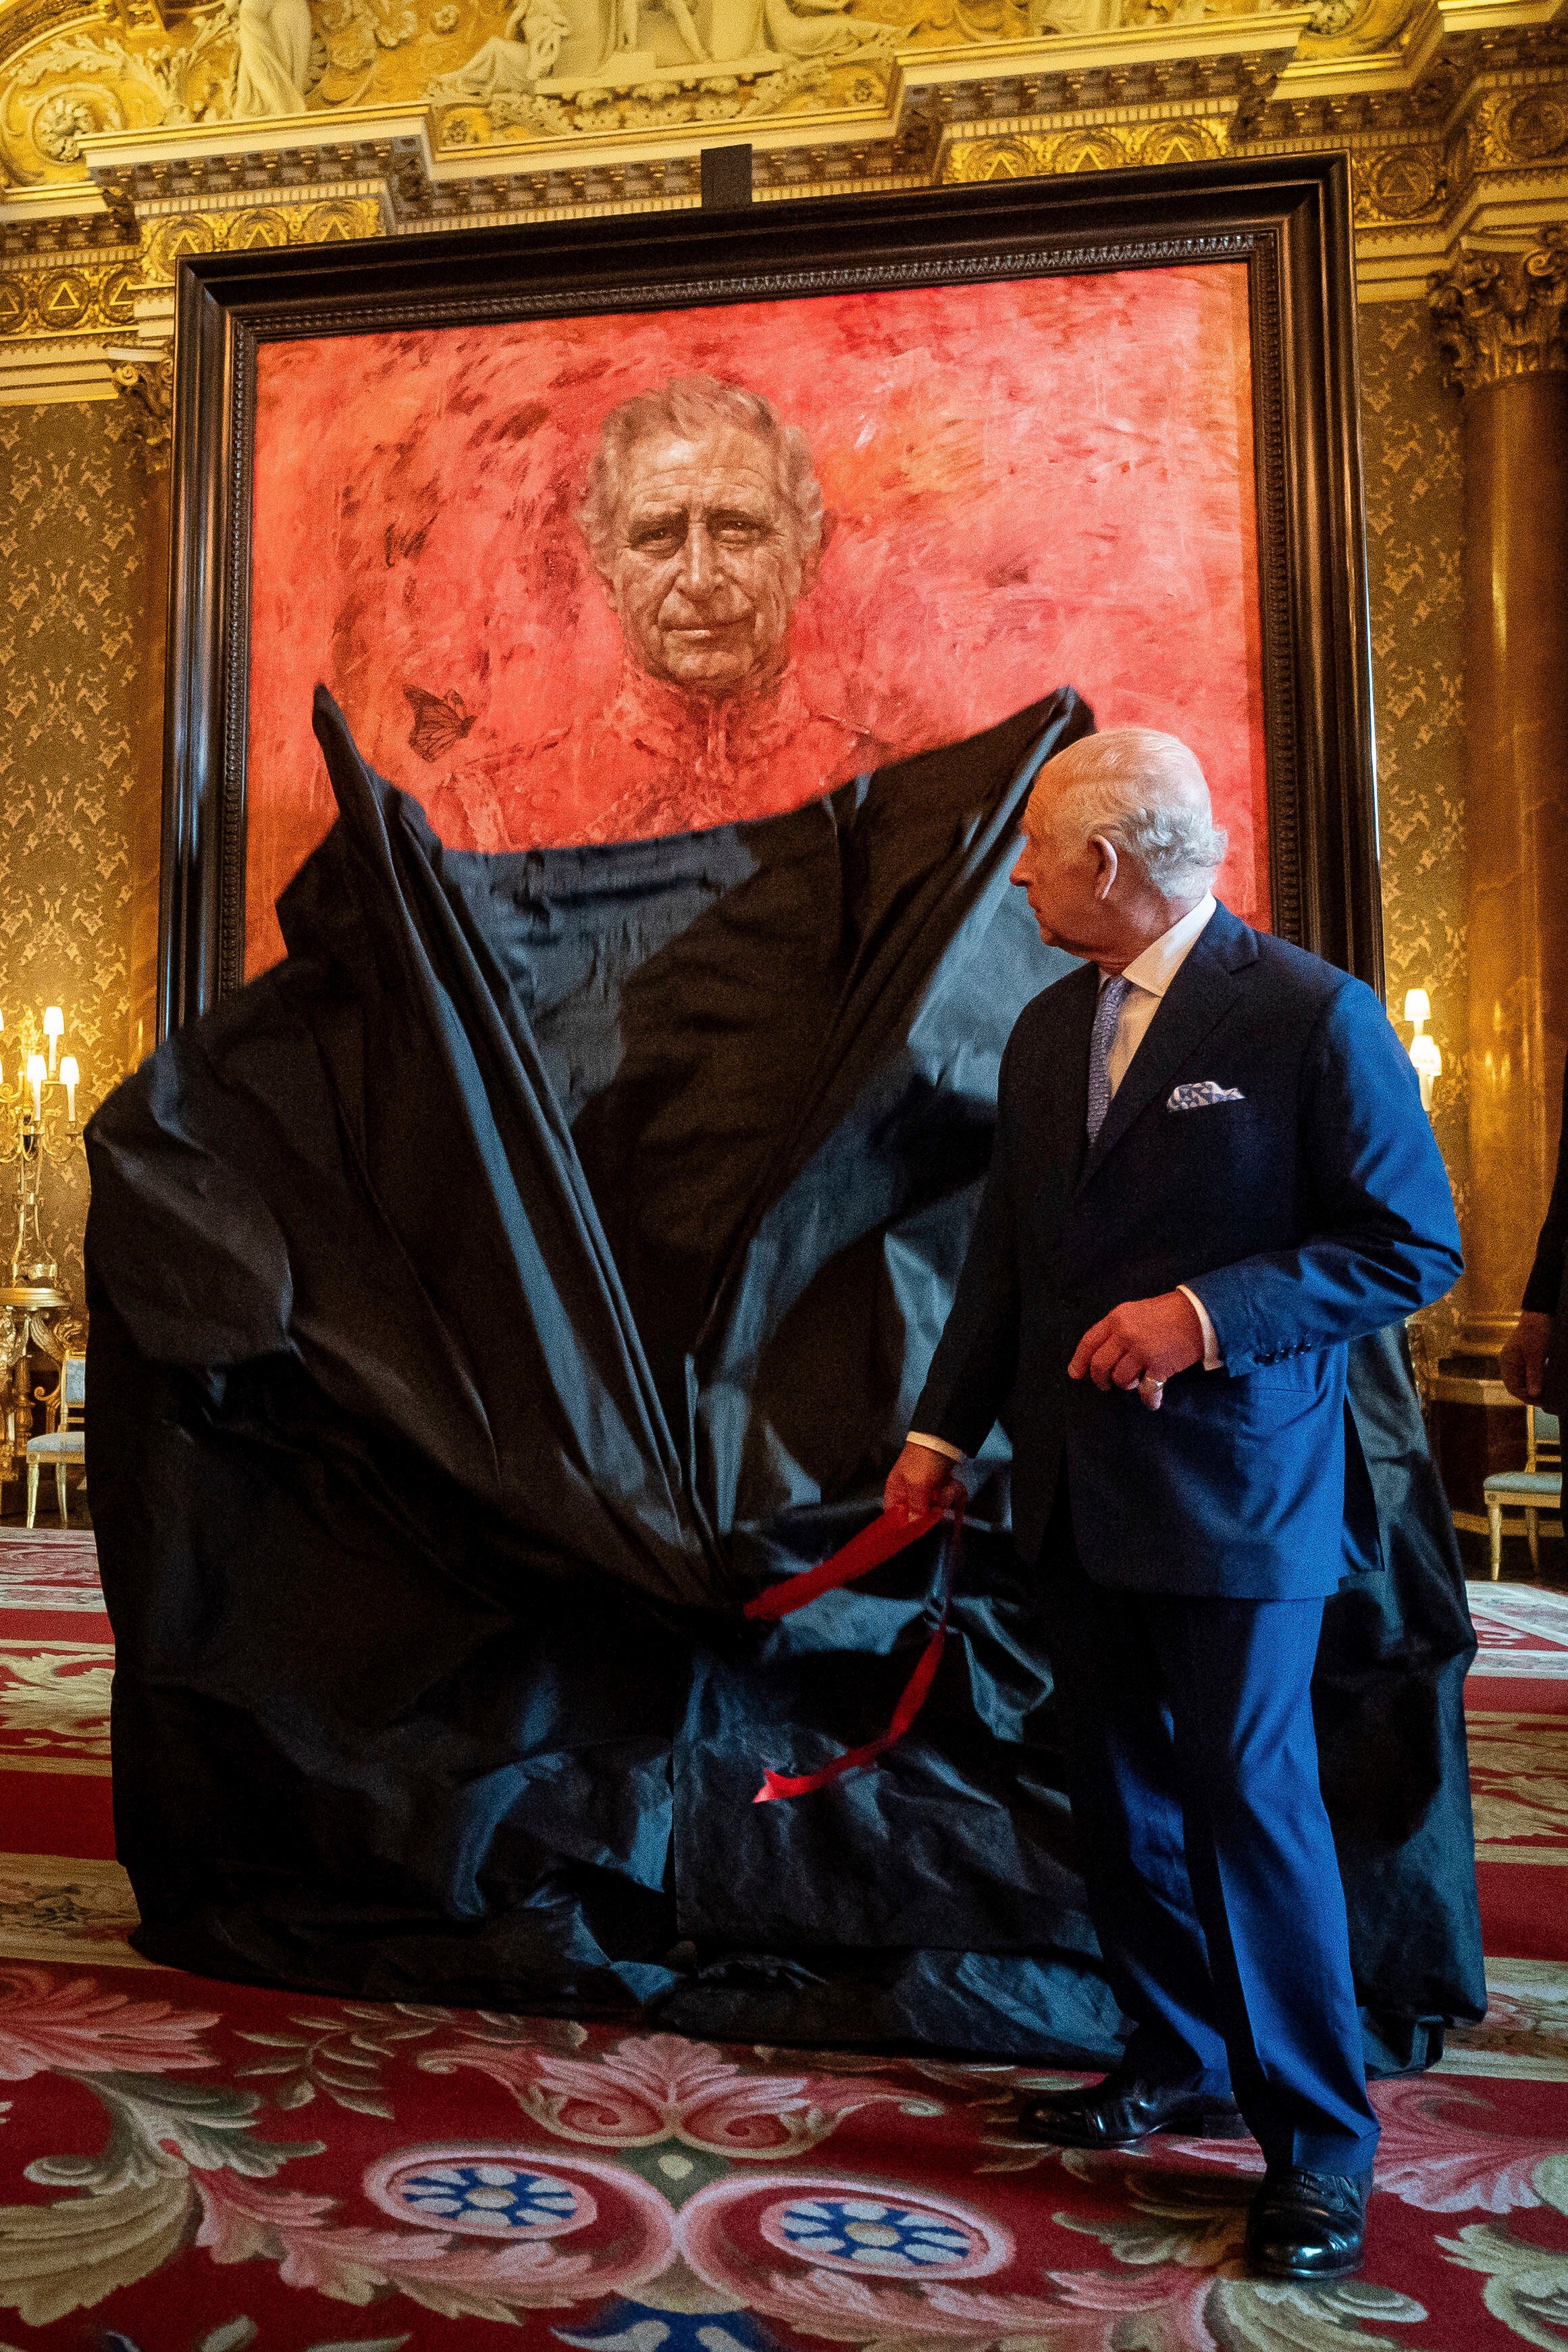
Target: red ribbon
x=881, y=1540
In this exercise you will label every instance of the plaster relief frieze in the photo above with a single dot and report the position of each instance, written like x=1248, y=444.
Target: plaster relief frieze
x=511, y=71
x=65, y=92
x=237, y=121
x=20, y=26
x=1356, y=27
x=1086, y=147
x=243, y=227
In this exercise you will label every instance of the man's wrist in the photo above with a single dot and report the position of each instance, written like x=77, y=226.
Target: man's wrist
x=1213, y=1360
x=935, y=1444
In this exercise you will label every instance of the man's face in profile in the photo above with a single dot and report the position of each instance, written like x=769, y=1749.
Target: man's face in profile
x=707, y=564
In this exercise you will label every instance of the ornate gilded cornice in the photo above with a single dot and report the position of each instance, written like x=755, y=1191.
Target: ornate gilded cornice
x=1496, y=315
x=131, y=132
x=48, y=298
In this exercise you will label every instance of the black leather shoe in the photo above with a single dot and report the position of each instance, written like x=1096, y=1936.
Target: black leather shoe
x=1307, y=2225
x=1121, y=2111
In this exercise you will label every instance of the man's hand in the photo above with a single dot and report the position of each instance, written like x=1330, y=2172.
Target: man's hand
x=1141, y=1345
x=1524, y=1358
x=922, y=1481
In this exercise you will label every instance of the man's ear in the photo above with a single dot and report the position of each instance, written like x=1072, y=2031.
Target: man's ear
x=1103, y=853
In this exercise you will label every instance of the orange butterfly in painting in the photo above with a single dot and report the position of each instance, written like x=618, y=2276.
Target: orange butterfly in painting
x=439, y=721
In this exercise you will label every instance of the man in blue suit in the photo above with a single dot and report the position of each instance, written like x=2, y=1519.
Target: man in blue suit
x=1212, y=1171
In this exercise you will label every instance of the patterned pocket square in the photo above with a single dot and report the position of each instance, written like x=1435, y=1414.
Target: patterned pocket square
x=1200, y=1093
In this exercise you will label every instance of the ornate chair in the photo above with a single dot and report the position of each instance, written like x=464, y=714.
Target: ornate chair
x=64, y=1442
x=1535, y=1488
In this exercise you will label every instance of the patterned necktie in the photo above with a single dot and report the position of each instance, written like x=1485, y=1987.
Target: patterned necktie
x=1107, y=1014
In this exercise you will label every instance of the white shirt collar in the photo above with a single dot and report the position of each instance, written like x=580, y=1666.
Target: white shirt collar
x=1162, y=960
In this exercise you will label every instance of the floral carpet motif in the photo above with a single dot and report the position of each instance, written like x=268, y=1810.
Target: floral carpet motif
x=1522, y=1631
x=190, y=2167
x=54, y=1706
x=55, y=1570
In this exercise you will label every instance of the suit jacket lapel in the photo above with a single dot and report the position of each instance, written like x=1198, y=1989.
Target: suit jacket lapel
x=1197, y=999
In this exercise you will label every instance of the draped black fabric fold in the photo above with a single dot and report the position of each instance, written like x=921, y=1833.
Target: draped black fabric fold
x=487, y=1301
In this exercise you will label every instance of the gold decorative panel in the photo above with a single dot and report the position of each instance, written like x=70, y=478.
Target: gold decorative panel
x=1414, y=516
x=1090, y=147
x=84, y=296
x=80, y=662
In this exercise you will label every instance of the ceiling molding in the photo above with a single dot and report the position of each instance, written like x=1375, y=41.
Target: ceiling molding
x=1454, y=115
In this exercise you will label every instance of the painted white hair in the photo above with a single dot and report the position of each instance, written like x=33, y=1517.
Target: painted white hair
x=688, y=408
x=1144, y=793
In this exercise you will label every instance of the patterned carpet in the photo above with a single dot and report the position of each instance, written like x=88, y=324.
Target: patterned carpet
x=189, y=2166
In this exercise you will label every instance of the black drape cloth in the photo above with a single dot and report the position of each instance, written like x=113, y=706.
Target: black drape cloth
x=490, y=1298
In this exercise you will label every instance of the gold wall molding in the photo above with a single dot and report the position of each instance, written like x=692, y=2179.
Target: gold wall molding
x=1088, y=146
x=46, y=298
x=1500, y=315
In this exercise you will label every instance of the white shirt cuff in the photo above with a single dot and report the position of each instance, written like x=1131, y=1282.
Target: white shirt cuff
x=936, y=1445
x=1212, y=1360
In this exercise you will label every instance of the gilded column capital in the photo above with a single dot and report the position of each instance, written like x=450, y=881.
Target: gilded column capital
x=145, y=406
x=1497, y=315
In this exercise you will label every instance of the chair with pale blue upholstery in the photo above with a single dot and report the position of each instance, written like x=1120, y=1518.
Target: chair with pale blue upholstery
x=65, y=1442
x=1536, y=1488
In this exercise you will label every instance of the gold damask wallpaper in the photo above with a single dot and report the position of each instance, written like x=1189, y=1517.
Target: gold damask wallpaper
x=1414, y=516
x=80, y=672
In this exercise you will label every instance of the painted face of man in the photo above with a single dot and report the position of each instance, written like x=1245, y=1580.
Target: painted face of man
x=707, y=564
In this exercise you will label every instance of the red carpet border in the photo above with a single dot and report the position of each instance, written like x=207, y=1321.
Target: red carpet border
x=188, y=2166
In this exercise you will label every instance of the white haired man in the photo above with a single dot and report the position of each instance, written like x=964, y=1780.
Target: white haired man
x=704, y=523
x=1211, y=1172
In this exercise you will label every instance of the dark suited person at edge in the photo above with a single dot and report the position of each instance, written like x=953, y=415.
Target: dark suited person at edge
x=1535, y=1359
x=1211, y=1171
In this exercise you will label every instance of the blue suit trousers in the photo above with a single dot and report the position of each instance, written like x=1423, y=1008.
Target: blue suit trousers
x=1210, y=1864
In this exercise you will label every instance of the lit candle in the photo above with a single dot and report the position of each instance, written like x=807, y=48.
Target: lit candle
x=71, y=1076
x=1428, y=1061
x=54, y=1029
x=35, y=1080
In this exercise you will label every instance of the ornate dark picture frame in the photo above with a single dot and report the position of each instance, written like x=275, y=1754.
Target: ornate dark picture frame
x=1287, y=220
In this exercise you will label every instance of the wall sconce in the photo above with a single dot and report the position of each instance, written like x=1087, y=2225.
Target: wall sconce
x=1423, y=1049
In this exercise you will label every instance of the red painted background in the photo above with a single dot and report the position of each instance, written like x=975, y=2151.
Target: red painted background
x=1032, y=484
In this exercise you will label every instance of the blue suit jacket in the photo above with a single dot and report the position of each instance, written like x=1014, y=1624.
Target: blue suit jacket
x=1313, y=1210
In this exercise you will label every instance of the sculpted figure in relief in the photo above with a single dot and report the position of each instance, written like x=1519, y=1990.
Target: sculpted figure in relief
x=273, y=40
x=510, y=63
x=624, y=40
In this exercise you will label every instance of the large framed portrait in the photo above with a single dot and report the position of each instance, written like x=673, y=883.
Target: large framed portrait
x=632, y=527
